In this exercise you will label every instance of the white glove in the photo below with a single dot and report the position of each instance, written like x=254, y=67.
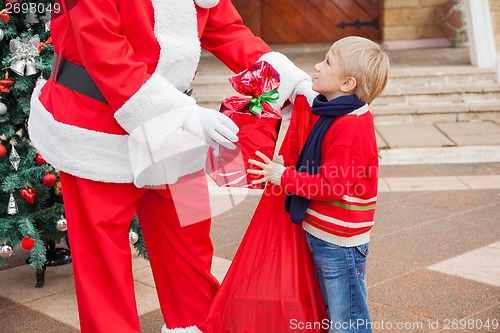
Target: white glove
x=304, y=88
x=290, y=76
x=213, y=127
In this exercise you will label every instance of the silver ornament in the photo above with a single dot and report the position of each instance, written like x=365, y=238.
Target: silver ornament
x=31, y=17
x=18, y=67
x=3, y=109
x=2, y=35
x=133, y=237
x=12, y=207
x=61, y=224
x=46, y=20
x=5, y=251
x=30, y=67
x=24, y=53
x=14, y=158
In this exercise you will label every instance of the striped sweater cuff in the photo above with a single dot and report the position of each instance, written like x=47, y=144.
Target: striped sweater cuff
x=278, y=159
x=278, y=171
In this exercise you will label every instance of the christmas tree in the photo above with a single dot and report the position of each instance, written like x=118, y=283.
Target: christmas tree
x=30, y=191
x=31, y=205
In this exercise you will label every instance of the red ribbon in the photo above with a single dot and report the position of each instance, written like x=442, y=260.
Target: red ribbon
x=43, y=44
x=242, y=104
x=5, y=15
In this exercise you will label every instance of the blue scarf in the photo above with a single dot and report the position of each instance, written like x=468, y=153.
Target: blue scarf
x=310, y=156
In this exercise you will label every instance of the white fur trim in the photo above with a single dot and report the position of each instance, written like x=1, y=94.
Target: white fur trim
x=177, y=34
x=290, y=76
x=206, y=3
x=143, y=115
x=304, y=88
x=190, y=329
x=176, y=29
x=80, y=152
x=154, y=115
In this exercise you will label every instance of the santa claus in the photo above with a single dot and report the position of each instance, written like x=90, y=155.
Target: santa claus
x=114, y=119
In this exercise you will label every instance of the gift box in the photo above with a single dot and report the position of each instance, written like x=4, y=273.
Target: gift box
x=259, y=125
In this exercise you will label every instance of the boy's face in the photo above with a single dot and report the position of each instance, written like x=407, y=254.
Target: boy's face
x=329, y=79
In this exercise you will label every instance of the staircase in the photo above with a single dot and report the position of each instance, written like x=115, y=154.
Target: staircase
x=438, y=94
x=210, y=90
x=424, y=93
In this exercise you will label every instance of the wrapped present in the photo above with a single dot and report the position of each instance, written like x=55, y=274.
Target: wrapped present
x=259, y=125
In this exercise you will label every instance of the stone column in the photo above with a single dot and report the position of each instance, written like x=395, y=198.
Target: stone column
x=480, y=34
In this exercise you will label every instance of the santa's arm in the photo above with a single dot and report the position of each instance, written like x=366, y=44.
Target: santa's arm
x=136, y=96
x=237, y=47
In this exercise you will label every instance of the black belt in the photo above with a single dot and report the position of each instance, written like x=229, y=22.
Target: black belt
x=75, y=77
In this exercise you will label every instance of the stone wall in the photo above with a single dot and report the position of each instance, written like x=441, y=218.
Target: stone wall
x=412, y=19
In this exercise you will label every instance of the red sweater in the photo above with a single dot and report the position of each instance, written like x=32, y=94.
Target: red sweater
x=344, y=193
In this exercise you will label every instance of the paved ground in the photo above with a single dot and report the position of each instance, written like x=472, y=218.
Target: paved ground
x=435, y=257
x=435, y=260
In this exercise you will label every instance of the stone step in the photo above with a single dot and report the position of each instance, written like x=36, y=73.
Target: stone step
x=422, y=95
x=428, y=114
x=452, y=93
x=392, y=95
x=432, y=76
x=413, y=95
x=398, y=77
x=443, y=86
x=437, y=112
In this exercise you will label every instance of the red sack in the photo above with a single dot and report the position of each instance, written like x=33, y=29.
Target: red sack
x=271, y=285
x=258, y=122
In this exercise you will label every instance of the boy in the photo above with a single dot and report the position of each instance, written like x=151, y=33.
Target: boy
x=333, y=188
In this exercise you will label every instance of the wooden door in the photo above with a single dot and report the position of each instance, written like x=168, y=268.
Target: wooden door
x=310, y=21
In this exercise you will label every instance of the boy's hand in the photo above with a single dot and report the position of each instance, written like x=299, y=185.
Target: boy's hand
x=267, y=167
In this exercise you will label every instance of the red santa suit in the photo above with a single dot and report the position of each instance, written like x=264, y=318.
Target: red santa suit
x=142, y=55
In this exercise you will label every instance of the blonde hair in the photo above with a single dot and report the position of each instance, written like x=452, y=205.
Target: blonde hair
x=367, y=62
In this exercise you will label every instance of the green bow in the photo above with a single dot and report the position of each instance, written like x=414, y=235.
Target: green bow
x=256, y=102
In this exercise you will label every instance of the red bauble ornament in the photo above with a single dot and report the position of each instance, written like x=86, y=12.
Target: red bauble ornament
x=3, y=151
x=28, y=194
x=39, y=159
x=49, y=179
x=27, y=243
x=7, y=82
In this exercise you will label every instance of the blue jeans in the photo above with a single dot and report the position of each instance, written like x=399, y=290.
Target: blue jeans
x=341, y=274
